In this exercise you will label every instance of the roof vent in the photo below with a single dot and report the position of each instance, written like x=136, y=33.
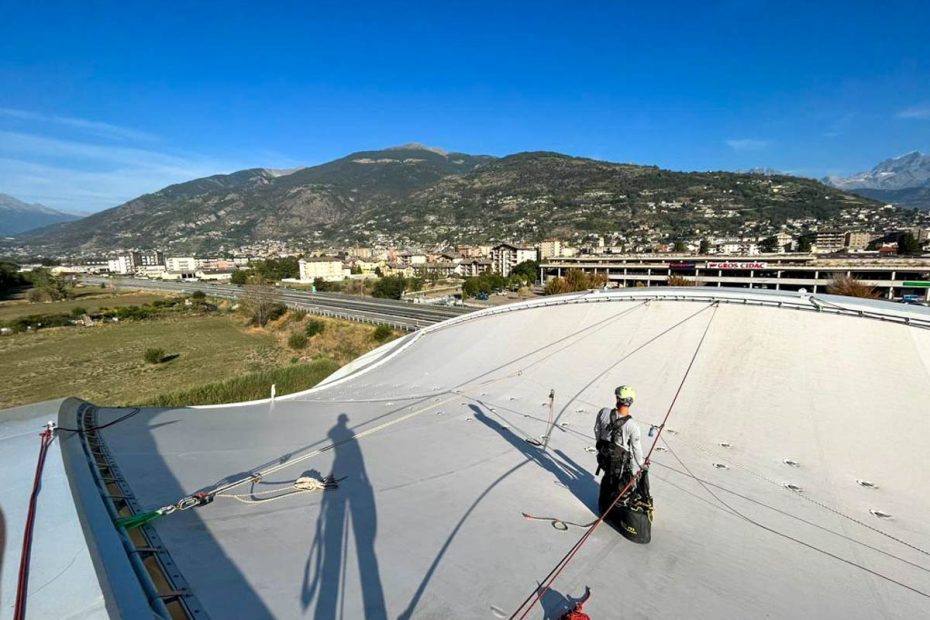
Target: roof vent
x=866, y=484
x=661, y=449
x=880, y=514
x=671, y=431
x=792, y=487
x=726, y=444
x=591, y=449
x=721, y=466
x=791, y=462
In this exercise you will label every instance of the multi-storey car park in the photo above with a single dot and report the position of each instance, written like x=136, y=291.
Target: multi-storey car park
x=892, y=277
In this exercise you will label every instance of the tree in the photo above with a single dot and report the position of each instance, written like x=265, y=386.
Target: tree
x=240, y=276
x=851, y=288
x=390, y=287
x=679, y=246
x=276, y=269
x=528, y=270
x=47, y=287
x=907, y=244
x=804, y=245
x=486, y=283
x=575, y=280
x=769, y=245
x=261, y=303
x=704, y=247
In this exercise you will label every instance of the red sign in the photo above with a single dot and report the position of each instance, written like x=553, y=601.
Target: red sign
x=732, y=265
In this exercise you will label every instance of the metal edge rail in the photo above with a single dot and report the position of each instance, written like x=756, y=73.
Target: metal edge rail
x=156, y=572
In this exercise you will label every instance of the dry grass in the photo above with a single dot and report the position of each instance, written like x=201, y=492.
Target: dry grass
x=209, y=358
x=90, y=299
x=851, y=287
x=105, y=364
x=340, y=341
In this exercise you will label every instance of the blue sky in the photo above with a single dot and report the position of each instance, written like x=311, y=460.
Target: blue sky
x=100, y=102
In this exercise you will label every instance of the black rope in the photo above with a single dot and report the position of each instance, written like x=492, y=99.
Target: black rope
x=100, y=427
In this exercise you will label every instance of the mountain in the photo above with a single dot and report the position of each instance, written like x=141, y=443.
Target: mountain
x=17, y=216
x=412, y=193
x=903, y=181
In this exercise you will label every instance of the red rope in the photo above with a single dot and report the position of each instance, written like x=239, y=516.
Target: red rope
x=560, y=566
x=47, y=436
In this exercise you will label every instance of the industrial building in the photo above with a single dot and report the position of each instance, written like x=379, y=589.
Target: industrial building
x=892, y=277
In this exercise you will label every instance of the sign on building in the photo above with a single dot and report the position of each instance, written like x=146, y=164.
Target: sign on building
x=734, y=265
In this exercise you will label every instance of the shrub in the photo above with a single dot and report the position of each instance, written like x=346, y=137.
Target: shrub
x=198, y=295
x=297, y=341
x=78, y=311
x=382, y=333
x=299, y=315
x=680, y=281
x=851, y=288
x=154, y=355
x=252, y=386
x=314, y=327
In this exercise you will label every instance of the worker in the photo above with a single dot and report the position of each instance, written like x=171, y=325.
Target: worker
x=620, y=456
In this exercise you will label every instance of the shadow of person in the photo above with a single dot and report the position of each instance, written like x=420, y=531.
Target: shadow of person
x=569, y=474
x=554, y=604
x=352, y=502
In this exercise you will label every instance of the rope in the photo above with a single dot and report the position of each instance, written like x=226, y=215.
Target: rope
x=205, y=497
x=47, y=436
x=303, y=484
x=539, y=592
x=134, y=411
x=813, y=501
x=751, y=521
x=558, y=524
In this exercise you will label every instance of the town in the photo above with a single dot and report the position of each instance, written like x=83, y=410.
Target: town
x=891, y=263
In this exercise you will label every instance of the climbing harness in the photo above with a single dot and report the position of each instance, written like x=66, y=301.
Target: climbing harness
x=527, y=605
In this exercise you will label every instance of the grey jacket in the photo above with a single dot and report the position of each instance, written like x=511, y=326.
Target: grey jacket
x=630, y=436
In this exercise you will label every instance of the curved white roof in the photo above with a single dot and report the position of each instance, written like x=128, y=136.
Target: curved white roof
x=824, y=394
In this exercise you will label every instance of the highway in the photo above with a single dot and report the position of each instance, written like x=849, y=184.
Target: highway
x=399, y=314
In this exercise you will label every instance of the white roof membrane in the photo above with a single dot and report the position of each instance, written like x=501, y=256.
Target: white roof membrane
x=428, y=440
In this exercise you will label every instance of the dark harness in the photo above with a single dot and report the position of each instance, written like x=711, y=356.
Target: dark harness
x=613, y=457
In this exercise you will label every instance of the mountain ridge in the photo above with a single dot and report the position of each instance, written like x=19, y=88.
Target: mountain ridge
x=17, y=216
x=417, y=194
x=903, y=181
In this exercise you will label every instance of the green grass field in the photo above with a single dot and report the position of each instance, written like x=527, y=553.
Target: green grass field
x=104, y=364
x=88, y=298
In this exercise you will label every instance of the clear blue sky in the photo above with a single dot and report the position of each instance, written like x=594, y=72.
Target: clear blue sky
x=100, y=102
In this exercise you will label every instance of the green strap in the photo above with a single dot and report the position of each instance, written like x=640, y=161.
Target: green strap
x=135, y=521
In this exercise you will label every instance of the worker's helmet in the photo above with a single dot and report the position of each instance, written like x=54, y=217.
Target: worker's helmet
x=625, y=395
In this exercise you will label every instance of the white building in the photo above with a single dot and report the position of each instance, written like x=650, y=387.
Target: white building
x=326, y=267
x=181, y=264
x=504, y=257
x=123, y=264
